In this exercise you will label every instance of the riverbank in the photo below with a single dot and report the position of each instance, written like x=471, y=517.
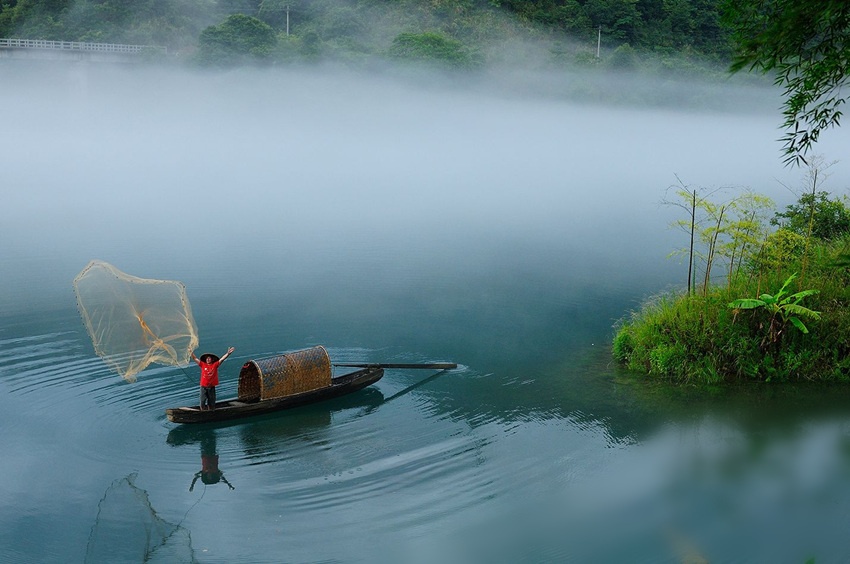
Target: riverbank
x=705, y=339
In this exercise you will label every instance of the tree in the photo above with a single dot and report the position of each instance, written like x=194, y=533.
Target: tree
x=34, y=18
x=815, y=214
x=779, y=249
x=688, y=202
x=624, y=57
x=746, y=228
x=236, y=39
x=698, y=207
x=431, y=47
x=805, y=43
x=619, y=19
x=729, y=231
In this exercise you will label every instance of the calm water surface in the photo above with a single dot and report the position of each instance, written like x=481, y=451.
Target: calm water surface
x=389, y=224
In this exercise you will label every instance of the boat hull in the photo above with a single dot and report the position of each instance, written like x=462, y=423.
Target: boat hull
x=228, y=410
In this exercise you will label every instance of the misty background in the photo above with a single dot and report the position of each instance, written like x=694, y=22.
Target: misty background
x=323, y=174
x=321, y=199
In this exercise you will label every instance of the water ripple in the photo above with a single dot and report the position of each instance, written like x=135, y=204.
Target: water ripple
x=443, y=462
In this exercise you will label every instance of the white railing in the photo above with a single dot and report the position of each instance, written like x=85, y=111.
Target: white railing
x=78, y=46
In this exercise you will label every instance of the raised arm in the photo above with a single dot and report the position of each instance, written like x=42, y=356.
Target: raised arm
x=227, y=354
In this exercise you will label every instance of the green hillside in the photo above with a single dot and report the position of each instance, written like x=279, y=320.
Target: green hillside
x=456, y=33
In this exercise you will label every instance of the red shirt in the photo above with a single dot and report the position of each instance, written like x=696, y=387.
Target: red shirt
x=209, y=463
x=209, y=373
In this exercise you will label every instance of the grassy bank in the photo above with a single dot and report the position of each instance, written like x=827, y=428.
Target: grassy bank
x=702, y=338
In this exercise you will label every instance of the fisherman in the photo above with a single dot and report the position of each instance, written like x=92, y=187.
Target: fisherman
x=209, y=364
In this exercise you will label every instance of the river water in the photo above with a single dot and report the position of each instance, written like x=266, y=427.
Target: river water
x=389, y=222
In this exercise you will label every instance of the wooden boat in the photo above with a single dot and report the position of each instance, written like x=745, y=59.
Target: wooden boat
x=281, y=382
x=235, y=408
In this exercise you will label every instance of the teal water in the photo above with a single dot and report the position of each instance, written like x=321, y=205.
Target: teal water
x=390, y=225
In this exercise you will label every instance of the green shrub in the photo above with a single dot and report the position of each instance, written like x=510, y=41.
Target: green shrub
x=431, y=47
x=781, y=248
x=828, y=218
x=623, y=57
x=237, y=39
x=623, y=346
x=667, y=360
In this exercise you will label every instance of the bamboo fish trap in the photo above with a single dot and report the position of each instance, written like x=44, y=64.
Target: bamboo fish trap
x=285, y=375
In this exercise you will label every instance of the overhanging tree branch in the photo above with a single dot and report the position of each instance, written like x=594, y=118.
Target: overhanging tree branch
x=806, y=43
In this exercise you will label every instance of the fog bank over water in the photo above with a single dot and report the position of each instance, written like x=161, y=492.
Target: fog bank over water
x=165, y=172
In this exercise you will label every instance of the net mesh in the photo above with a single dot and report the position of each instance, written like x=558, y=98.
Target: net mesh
x=128, y=529
x=134, y=322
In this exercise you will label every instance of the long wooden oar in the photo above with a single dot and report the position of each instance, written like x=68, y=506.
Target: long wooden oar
x=407, y=390
x=435, y=366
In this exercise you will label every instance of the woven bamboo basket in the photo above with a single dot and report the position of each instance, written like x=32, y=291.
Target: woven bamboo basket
x=285, y=375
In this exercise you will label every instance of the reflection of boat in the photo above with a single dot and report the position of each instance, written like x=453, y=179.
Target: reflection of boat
x=281, y=382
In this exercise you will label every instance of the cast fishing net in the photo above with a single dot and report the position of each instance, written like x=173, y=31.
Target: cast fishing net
x=134, y=322
x=128, y=529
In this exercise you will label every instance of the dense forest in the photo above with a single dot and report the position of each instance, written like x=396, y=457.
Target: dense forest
x=461, y=33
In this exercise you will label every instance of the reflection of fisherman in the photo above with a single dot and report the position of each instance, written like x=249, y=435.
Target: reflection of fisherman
x=209, y=473
x=209, y=364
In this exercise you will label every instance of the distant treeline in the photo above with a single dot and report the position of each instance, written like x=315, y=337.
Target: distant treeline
x=454, y=32
x=653, y=25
